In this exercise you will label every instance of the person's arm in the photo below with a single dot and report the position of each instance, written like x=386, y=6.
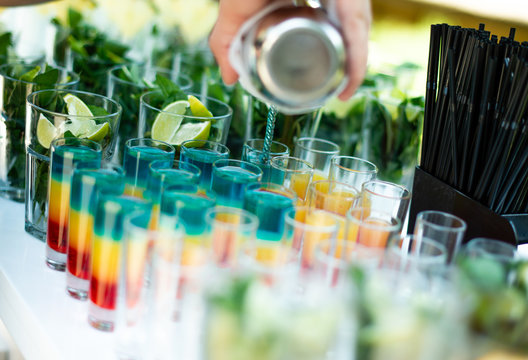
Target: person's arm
x=21, y=2
x=355, y=17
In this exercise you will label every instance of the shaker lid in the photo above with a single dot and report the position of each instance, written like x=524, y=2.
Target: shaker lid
x=301, y=61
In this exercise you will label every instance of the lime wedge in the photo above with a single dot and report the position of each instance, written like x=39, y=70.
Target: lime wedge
x=46, y=132
x=198, y=108
x=76, y=106
x=191, y=131
x=168, y=121
x=78, y=128
x=99, y=132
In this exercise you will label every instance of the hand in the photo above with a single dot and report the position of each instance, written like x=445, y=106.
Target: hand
x=355, y=17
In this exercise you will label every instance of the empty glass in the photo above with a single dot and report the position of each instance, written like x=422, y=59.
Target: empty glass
x=317, y=152
x=386, y=196
x=292, y=173
x=352, y=170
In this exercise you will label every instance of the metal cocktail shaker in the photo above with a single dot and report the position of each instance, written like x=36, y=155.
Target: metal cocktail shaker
x=290, y=56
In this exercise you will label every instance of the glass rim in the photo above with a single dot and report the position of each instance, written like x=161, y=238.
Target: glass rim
x=342, y=262
x=30, y=102
x=313, y=187
x=387, y=184
x=251, y=223
x=82, y=141
x=373, y=170
x=395, y=225
x=300, y=142
x=284, y=146
x=501, y=245
x=159, y=142
x=297, y=160
x=205, y=142
x=411, y=255
x=155, y=69
x=288, y=219
x=195, y=169
x=114, y=168
x=438, y=227
x=249, y=166
x=288, y=257
x=75, y=77
x=270, y=185
x=228, y=114
x=148, y=232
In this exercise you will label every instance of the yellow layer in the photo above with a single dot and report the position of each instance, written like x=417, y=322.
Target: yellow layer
x=80, y=230
x=105, y=259
x=59, y=201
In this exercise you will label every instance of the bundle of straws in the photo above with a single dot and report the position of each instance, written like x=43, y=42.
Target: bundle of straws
x=475, y=135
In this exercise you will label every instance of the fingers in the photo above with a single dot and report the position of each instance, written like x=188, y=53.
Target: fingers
x=231, y=15
x=356, y=18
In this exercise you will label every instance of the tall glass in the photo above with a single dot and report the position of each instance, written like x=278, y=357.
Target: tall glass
x=270, y=203
x=106, y=262
x=197, y=127
x=229, y=228
x=17, y=80
x=252, y=152
x=66, y=155
x=293, y=173
x=86, y=185
x=230, y=178
x=47, y=110
x=203, y=154
x=371, y=228
x=139, y=154
x=386, y=196
x=126, y=84
x=443, y=227
x=352, y=170
x=317, y=152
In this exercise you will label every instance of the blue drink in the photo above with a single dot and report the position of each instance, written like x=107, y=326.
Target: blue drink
x=270, y=202
x=203, y=154
x=139, y=154
x=230, y=178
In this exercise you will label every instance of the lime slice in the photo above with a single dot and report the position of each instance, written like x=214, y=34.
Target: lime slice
x=46, y=132
x=78, y=128
x=191, y=131
x=198, y=108
x=168, y=121
x=99, y=132
x=76, y=106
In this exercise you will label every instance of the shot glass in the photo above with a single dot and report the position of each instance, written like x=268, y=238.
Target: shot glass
x=203, y=154
x=332, y=260
x=229, y=228
x=230, y=178
x=352, y=170
x=371, y=228
x=15, y=85
x=317, y=152
x=269, y=202
x=252, y=152
x=87, y=184
x=66, y=155
x=293, y=173
x=306, y=228
x=139, y=154
x=407, y=254
x=443, y=227
x=49, y=109
x=332, y=196
x=126, y=84
x=491, y=249
x=200, y=126
x=386, y=196
x=106, y=262
x=147, y=283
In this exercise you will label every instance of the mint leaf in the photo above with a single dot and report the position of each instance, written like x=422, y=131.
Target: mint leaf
x=97, y=110
x=30, y=75
x=171, y=92
x=49, y=77
x=68, y=134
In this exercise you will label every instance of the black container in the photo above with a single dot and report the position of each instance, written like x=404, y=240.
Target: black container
x=430, y=193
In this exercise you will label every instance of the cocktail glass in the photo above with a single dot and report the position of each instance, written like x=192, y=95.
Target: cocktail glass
x=87, y=184
x=106, y=263
x=139, y=154
x=214, y=128
x=66, y=155
x=15, y=85
x=203, y=154
x=317, y=152
x=230, y=178
x=48, y=108
x=293, y=173
x=126, y=84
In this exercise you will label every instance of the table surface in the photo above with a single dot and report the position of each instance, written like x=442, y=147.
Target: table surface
x=43, y=320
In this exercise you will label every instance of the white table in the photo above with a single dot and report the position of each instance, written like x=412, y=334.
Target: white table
x=43, y=320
